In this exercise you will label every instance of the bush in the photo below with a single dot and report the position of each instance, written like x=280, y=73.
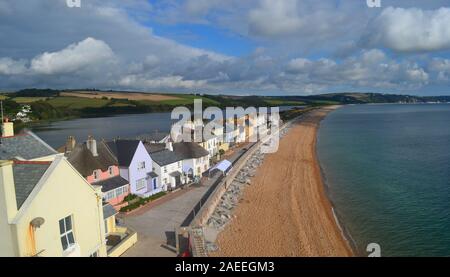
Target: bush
x=129, y=197
x=139, y=201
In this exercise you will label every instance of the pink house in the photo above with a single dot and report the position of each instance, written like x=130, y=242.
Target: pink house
x=100, y=168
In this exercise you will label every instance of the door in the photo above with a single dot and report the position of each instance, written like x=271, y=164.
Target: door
x=154, y=184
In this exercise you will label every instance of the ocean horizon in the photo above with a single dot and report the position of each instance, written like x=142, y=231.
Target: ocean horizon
x=387, y=172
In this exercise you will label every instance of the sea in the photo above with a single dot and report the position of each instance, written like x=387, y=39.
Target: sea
x=387, y=174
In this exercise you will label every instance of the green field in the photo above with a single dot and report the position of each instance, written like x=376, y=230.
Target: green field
x=77, y=103
x=185, y=100
x=279, y=102
x=27, y=100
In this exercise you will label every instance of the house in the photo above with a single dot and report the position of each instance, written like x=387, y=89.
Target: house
x=155, y=137
x=211, y=145
x=24, y=146
x=49, y=210
x=168, y=166
x=231, y=135
x=135, y=166
x=99, y=166
x=195, y=158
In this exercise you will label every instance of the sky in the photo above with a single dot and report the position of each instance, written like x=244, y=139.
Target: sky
x=251, y=47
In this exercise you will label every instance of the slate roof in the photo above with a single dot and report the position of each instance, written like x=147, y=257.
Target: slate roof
x=108, y=211
x=154, y=147
x=189, y=150
x=83, y=160
x=165, y=157
x=111, y=183
x=25, y=146
x=124, y=150
x=26, y=177
x=153, y=137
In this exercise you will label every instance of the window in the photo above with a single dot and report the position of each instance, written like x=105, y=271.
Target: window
x=106, y=226
x=141, y=165
x=96, y=175
x=111, y=171
x=179, y=164
x=154, y=184
x=165, y=180
x=165, y=169
x=66, y=232
x=140, y=184
x=109, y=195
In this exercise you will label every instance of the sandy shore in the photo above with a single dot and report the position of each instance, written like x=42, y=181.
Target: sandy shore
x=285, y=212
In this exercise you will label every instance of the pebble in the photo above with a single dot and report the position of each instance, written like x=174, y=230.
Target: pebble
x=223, y=213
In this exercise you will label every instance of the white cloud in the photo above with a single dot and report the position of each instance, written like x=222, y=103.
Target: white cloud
x=411, y=29
x=87, y=53
x=9, y=66
x=274, y=18
x=166, y=82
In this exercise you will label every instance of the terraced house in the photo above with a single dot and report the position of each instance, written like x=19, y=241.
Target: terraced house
x=135, y=166
x=195, y=158
x=46, y=207
x=167, y=165
x=100, y=167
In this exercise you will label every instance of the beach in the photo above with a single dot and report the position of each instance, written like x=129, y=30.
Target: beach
x=286, y=212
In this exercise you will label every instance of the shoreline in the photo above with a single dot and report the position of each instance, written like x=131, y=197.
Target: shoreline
x=288, y=195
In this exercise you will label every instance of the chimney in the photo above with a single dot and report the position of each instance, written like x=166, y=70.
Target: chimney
x=92, y=146
x=7, y=128
x=70, y=144
x=169, y=146
x=8, y=208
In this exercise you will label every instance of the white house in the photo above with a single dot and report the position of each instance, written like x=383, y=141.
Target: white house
x=195, y=158
x=135, y=166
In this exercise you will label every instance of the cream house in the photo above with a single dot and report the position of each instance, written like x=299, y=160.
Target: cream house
x=48, y=209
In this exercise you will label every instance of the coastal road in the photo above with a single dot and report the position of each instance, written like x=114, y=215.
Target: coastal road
x=155, y=226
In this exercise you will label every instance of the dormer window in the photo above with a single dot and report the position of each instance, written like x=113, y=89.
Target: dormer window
x=96, y=175
x=111, y=171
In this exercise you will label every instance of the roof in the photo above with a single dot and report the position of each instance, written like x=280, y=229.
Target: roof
x=154, y=147
x=189, y=150
x=124, y=150
x=108, y=211
x=26, y=177
x=153, y=137
x=165, y=157
x=82, y=159
x=111, y=183
x=222, y=166
x=26, y=146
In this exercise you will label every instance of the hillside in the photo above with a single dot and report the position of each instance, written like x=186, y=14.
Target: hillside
x=53, y=104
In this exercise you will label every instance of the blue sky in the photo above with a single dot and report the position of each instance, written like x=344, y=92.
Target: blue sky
x=266, y=47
